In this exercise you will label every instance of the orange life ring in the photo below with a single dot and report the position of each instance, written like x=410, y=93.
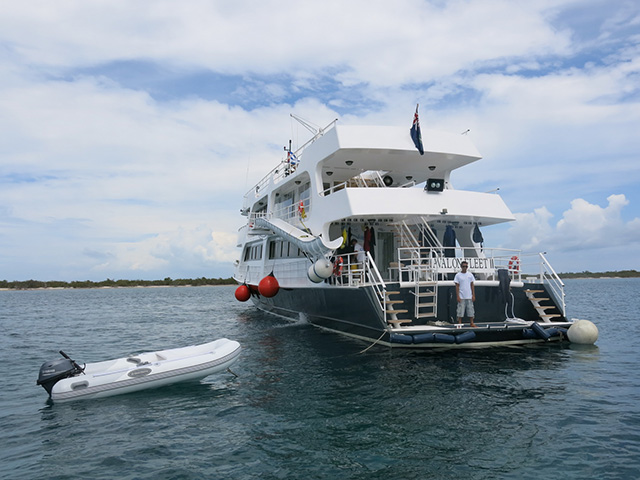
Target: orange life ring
x=337, y=267
x=514, y=264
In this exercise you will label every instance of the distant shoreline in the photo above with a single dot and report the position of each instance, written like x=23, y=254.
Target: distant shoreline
x=596, y=278
x=3, y=289
x=213, y=282
x=600, y=275
x=75, y=285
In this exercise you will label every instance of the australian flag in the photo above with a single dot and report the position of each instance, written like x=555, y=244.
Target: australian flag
x=416, y=136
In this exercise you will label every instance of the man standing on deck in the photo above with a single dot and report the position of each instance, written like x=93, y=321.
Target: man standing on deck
x=465, y=293
x=360, y=258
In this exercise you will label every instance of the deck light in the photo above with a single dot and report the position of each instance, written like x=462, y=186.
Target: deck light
x=349, y=163
x=329, y=173
x=435, y=185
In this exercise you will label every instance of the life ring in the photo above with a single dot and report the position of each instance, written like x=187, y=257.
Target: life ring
x=514, y=264
x=337, y=267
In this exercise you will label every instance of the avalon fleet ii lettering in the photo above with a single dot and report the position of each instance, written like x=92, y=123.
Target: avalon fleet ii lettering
x=453, y=264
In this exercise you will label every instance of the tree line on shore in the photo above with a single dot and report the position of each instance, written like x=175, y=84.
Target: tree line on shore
x=588, y=274
x=167, y=282
x=198, y=282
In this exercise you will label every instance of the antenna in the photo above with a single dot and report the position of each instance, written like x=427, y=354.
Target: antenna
x=312, y=127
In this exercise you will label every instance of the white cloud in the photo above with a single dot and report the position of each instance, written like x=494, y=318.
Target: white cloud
x=372, y=41
x=195, y=249
x=531, y=230
x=584, y=226
x=117, y=173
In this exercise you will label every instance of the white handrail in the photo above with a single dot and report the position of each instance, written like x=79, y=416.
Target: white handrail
x=556, y=285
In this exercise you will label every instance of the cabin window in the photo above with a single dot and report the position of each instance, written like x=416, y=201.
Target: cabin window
x=279, y=248
x=253, y=252
x=304, y=191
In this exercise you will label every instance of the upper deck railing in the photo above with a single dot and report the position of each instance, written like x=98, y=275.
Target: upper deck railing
x=287, y=167
x=283, y=170
x=372, y=179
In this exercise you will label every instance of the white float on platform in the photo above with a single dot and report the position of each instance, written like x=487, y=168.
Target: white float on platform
x=583, y=332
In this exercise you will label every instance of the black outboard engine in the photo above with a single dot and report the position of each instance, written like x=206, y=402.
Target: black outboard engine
x=55, y=370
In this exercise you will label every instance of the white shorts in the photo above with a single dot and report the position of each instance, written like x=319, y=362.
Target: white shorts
x=466, y=304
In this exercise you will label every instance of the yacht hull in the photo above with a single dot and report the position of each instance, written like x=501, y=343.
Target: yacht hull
x=355, y=312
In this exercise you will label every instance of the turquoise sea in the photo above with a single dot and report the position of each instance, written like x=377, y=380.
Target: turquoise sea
x=307, y=404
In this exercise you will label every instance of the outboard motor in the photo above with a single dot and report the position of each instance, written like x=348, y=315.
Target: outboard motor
x=53, y=371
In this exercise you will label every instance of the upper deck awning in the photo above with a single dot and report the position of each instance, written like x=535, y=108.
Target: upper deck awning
x=345, y=151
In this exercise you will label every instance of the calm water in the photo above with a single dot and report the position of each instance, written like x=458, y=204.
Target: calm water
x=306, y=404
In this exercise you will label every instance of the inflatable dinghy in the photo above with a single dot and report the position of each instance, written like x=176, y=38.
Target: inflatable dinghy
x=65, y=380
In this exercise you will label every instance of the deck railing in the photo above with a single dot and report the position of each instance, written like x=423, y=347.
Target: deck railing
x=373, y=180
x=416, y=264
x=551, y=278
x=284, y=169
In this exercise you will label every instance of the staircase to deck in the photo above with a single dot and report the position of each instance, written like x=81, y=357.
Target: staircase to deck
x=415, y=271
x=545, y=312
x=391, y=310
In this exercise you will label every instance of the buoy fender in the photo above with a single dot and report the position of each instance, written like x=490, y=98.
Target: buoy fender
x=323, y=268
x=401, y=338
x=465, y=337
x=242, y=293
x=540, y=331
x=423, y=338
x=268, y=286
x=553, y=331
x=434, y=338
x=313, y=276
x=444, y=338
x=583, y=332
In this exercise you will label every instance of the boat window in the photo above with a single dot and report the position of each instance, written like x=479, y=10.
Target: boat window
x=305, y=191
x=279, y=248
x=253, y=252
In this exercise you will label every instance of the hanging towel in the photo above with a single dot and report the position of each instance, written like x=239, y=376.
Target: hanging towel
x=477, y=236
x=449, y=240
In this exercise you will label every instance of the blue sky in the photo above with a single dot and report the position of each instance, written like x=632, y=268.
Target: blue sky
x=131, y=130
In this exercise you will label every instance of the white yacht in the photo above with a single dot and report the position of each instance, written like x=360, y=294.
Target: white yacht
x=412, y=231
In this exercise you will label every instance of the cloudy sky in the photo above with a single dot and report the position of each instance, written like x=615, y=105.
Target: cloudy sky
x=131, y=130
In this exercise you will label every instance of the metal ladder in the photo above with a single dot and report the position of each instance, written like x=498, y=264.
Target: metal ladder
x=426, y=301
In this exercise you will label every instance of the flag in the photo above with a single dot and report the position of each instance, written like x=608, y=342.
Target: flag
x=291, y=158
x=416, y=136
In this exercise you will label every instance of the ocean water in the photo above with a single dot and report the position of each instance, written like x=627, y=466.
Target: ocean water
x=307, y=404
